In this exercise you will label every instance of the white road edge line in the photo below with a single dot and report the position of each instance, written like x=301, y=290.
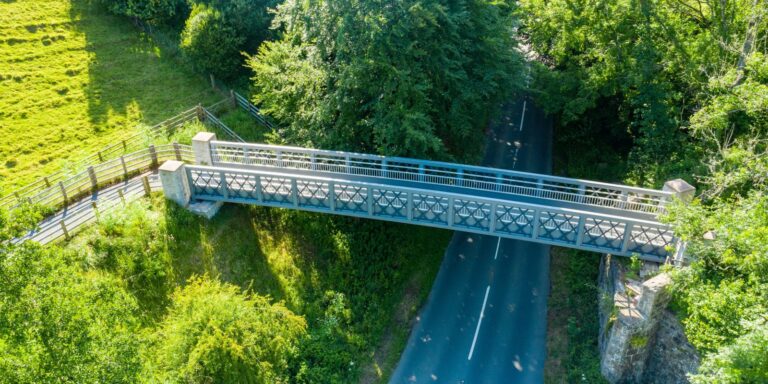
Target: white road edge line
x=497, y=249
x=479, y=321
x=522, y=118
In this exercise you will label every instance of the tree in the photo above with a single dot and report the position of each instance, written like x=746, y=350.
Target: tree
x=215, y=333
x=413, y=78
x=649, y=62
x=59, y=323
x=218, y=31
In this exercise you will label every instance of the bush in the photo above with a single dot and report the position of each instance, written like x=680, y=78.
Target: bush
x=59, y=323
x=215, y=333
x=211, y=44
x=158, y=11
x=132, y=244
x=744, y=361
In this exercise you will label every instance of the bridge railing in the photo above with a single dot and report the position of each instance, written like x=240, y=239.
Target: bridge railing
x=550, y=225
x=91, y=179
x=482, y=178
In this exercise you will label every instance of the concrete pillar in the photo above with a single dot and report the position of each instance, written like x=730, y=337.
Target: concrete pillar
x=685, y=192
x=201, y=146
x=681, y=189
x=173, y=176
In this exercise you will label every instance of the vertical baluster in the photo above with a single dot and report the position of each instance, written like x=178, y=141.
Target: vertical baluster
x=580, y=231
x=536, y=224
x=332, y=195
x=295, y=192
x=627, y=237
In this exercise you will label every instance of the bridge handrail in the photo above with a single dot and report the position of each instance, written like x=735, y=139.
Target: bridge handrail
x=627, y=234
x=522, y=183
x=68, y=189
x=488, y=200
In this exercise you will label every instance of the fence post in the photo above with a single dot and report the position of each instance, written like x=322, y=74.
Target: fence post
x=122, y=195
x=101, y=159
x=173, y=175
x=125, y=146
x=201, y=146
x=233, y=98
x=153, y=155
x=147, y=188
x=94, y=181
x=47, y=182
x=213, y=81
x=64, y=229
x=63, y=193
x=177, y=150
x=200, y=113
x=125, y=168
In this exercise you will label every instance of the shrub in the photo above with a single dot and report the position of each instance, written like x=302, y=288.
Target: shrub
x=211, y=44
x=157, y=11
x=215, y=333
x=59, y=323
x=132, y=244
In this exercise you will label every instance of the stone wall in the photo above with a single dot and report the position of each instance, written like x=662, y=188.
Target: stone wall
x=640, y=340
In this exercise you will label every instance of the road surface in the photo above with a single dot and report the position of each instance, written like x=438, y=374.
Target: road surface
x=485, y=319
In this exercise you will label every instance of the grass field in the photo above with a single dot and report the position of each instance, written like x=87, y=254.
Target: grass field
x=72, y=78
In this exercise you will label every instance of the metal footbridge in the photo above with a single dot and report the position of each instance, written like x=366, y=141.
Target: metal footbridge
x=595, y=216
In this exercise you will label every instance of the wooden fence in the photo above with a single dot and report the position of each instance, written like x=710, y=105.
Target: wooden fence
x=128, y=156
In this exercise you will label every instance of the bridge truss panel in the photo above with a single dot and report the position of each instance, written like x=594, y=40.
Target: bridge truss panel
x=583, y=192
x=509, y=219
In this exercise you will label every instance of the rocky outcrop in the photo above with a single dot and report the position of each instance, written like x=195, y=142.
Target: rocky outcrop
x=640, y=340
x=672, y=356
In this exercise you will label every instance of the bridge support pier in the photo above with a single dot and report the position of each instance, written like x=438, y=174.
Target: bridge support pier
x=201, y=146
x=173, y=176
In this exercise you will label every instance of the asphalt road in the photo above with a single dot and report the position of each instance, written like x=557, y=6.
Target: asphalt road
x=485, y=319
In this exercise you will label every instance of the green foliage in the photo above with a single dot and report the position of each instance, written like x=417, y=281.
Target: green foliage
x=75, y=80
x=133, y=245
x=157, y=11
x=218, y=31
x=572, y=350
x=215, y=333
x=59, y=323
x=744, y=361
x=724, y=290
x=413, y=78
x=641, y=68
x=212, y=45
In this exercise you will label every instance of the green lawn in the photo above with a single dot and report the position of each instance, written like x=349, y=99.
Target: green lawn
x=72, y=78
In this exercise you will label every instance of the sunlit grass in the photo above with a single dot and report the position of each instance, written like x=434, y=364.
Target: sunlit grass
x=72, y=79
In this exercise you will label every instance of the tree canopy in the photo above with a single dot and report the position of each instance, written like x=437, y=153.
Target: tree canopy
x=412, y=78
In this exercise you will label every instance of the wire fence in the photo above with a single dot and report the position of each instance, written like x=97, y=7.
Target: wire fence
x=127, y=156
